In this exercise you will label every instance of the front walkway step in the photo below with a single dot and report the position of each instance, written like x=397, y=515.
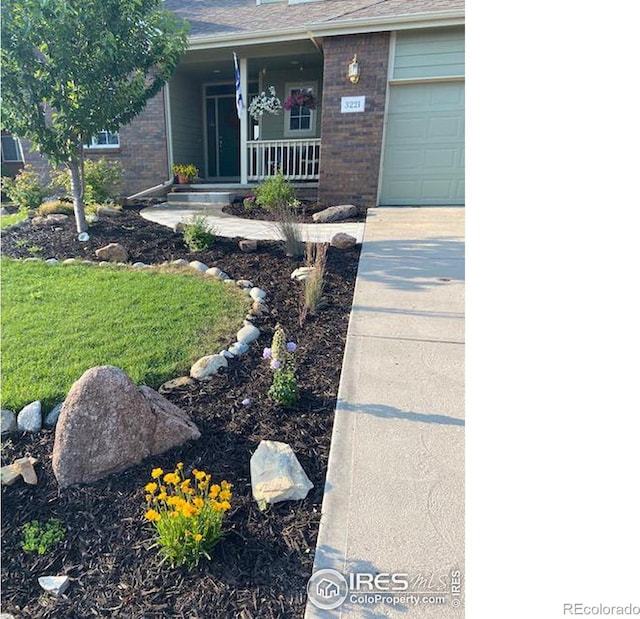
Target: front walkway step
x=199, y=197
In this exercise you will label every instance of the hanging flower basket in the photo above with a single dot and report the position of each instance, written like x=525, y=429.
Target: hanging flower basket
x=302, y=97
x=265, y=104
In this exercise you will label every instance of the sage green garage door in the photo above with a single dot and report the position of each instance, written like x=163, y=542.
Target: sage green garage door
x=423, y=159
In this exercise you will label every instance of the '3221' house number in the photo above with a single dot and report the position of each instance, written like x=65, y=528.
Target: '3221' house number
x=352, y=104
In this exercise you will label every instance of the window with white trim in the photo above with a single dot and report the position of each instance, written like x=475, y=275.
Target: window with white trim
x=105, y=139
x=11, y=150
x=300, y=118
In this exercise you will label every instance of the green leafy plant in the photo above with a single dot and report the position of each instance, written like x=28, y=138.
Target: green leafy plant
x=187, y=170
x=197, y=234
x=187, y=513
x=249, y=203
x=276, y=193
x=25, y=190
x=284, y=387
x=42, y=537
x=102, y=180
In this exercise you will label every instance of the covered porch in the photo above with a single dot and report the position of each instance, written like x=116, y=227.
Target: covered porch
x=204, y=126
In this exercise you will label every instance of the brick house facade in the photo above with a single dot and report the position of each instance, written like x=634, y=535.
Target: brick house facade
x=407, y=50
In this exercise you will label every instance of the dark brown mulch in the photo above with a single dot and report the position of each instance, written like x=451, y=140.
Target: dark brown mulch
x=261, y=567
x=304, y=213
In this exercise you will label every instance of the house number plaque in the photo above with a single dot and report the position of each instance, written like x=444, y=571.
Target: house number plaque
x=351, y=104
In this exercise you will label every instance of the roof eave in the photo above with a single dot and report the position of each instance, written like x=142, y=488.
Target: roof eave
x=327, y=28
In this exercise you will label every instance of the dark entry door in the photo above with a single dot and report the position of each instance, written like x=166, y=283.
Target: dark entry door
x=223, y=138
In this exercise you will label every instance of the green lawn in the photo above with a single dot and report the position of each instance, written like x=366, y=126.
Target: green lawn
x=58, y=321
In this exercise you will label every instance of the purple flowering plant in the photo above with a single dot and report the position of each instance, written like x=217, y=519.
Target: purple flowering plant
x=302, y=97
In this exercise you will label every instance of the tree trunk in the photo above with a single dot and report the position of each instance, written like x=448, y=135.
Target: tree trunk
x=77, y=190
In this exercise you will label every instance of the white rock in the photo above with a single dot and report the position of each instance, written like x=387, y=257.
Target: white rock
x=198, y=266
x=181, y=262
x=227, y=354
x=257, y=294
x=248, y=334
x=205, y=367
x=51, y=261
x=22, y=467
x=30, y=417
x=238, y=349
x=216, y=272
x=244, y=283
x=8, y=421
x=140, y=265
x=276, y=474
x=54, y=584
x=83, y=237
x=69, y=261
x=301, y=273
x=52, y=416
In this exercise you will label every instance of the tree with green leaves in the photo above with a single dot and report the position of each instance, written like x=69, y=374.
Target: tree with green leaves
x=72, y=68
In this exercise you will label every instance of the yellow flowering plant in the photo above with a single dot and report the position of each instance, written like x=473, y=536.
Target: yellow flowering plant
x=187, y=513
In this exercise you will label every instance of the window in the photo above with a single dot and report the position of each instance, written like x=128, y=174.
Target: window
x=105, y=139
x=300, y=110
x=11, y=149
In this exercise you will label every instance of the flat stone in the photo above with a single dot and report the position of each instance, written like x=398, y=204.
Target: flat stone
x=176, y=383
x=22, y=467
x=237, y=349
x=30, y=418
x=207, y=366
x=113, y=252
x=69, y=261
x=51, y=261
x=54, y=584
x=248, y=245
x=244, y=283
x=198, y=266
x=8, y=421
x=342, y=240
x=301, y=273
x=227, y=354
x=51, y=417
x=107, y=211
x=107, y=425
x=248, y=334
x=257, y=294
x=181, y=262
x=276, y=474
x=335, y=213
x=140, y=265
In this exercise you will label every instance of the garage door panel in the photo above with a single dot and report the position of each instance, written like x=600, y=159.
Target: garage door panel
x=423, y=160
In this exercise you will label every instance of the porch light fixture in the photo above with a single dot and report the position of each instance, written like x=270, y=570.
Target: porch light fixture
x=354, y=70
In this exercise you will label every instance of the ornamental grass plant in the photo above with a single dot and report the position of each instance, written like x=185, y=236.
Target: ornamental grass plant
x=187, y=512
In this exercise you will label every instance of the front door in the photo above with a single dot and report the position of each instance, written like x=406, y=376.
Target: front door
x=223, y=138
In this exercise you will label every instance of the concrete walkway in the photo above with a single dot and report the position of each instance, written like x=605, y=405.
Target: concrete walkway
x=394, y=496
x=231, y=226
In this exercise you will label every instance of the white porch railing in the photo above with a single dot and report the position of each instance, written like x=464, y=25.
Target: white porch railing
x=299, y=159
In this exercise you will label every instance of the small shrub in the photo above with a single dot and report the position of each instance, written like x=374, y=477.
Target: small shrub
x=284, y=388
x=25, y=190
x=40, y=538
x=276, y=193
x=102, y=180
x=197, y=234
x=187, y=514
x=187, y=170
x=316, y=258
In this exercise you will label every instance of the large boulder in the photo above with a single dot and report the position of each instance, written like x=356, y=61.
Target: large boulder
x=335, y=213
x=342, y=240
x=113, y=252
x=107, y=424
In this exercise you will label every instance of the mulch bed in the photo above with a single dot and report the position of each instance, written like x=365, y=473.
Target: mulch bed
x=304, y=213
x=261, y=567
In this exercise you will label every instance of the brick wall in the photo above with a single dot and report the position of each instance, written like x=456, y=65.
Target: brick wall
x=142, y=151
x=352, y=142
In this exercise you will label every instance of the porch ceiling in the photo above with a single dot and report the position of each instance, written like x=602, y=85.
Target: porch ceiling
x=205, y=64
